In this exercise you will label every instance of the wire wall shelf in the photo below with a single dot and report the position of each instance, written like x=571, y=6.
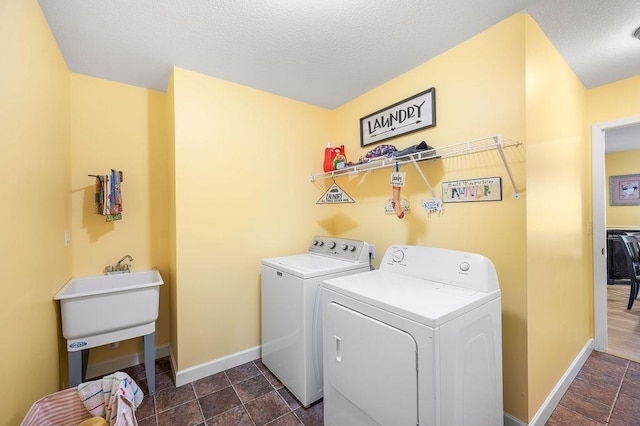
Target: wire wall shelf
x=479, y=145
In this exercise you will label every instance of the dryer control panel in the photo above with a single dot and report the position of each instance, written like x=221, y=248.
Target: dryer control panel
x=340, y=248
x=467, y=270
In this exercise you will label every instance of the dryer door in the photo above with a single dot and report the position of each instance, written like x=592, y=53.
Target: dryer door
x=371, y=370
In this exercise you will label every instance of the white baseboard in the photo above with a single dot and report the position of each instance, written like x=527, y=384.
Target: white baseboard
x=106, y=367
x=194, y=373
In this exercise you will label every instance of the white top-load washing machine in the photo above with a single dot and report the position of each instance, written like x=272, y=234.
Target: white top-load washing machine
x=291, y=315
x=417, y=342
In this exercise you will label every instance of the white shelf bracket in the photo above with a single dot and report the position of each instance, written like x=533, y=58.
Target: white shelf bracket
x=415, y=164
x=498, y=140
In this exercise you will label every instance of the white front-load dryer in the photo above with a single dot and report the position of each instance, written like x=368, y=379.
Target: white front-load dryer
x=291, y=315
x=417, y=342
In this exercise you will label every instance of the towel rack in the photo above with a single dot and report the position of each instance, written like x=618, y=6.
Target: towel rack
x=107, y=176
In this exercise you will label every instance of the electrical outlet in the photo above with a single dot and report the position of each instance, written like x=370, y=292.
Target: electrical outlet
x=372, y=251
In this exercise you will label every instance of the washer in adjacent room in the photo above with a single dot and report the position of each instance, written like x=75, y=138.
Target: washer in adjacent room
x=417, y=342
x=291, y=316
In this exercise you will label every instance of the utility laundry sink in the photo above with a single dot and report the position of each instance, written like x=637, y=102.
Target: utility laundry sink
x=103, y=309
x=95, y=305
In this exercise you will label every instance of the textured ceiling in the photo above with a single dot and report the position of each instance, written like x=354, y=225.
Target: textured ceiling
x=322, y=52
x=595, y=37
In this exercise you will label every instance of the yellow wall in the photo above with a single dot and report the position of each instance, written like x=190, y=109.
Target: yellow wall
x=242, y=159
x=35, y=174
x=621, y=163
x=614, y=101
x=121, y=127
x=559, y=285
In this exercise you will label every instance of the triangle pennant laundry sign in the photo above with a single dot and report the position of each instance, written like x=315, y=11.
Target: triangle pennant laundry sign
x=335, y=195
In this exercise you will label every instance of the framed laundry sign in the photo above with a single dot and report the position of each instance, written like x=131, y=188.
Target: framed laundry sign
x=409, y=115
x=484, y=189
x=625, y=190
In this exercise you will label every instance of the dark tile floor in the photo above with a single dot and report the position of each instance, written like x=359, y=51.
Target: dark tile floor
x=606, y=391
x=245, y=395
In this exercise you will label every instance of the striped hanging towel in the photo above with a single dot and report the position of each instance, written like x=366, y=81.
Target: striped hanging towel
x=108, y=196
x=115, y=197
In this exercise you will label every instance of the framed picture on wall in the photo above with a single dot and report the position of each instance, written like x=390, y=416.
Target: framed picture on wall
x=625, y=190
x=409, y=115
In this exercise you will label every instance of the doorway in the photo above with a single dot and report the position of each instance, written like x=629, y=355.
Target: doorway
x=598, y=175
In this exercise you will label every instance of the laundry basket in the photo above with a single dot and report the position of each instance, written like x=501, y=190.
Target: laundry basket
x=57, y=409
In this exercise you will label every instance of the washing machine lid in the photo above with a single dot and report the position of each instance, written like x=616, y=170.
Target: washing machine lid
x=426, y=302
x=309, y=265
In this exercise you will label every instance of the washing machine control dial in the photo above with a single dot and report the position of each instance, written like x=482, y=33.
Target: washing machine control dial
x=344, y=247
x=321, y=243
x=315, y=242
x=332, y=244
x=397, y=256
x=352, y=248
x=464, y=266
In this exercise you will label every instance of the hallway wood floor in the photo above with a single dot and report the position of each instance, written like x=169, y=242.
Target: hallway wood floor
x=622, y=323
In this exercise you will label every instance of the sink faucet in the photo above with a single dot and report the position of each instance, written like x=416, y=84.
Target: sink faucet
x=119, y=268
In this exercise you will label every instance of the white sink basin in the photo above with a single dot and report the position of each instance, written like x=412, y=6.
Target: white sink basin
x=101, y=306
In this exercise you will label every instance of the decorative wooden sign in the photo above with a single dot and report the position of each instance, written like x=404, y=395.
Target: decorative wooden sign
x=485, y=189
x=410, y=115
x=335, y=195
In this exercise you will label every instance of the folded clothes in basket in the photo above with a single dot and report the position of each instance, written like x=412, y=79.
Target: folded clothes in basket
x=114, y=397
x=422, y=146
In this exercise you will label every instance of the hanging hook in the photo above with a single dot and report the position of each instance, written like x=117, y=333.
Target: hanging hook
x=397, y=168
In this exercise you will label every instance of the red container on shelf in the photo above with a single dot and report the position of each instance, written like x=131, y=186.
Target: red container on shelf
x=330, y=155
